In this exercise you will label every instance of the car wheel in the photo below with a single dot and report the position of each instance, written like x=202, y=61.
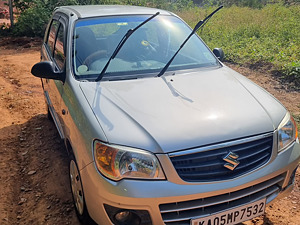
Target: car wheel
x=77, y=193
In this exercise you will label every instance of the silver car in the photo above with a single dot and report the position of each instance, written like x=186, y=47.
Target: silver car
x=158, y=130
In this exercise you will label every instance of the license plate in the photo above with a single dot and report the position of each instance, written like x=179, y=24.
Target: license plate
x=233, y=216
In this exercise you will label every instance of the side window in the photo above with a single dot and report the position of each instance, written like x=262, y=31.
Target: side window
x=51, y=37
x=59, y=54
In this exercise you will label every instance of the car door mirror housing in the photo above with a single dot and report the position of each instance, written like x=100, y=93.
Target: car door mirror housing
x=46, y=69
x=219, y=53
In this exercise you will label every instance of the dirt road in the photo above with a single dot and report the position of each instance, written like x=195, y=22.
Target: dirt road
x=34, y=185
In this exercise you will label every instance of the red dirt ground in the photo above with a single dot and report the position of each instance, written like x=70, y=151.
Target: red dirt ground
x=34, y=183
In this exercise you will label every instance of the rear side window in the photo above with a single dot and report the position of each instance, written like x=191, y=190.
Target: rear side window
x=59, y=55
x=52, y=34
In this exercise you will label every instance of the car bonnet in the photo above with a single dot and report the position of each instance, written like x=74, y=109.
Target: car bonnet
x=171, y=113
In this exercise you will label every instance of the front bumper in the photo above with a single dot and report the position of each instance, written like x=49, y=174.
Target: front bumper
x=172, y=200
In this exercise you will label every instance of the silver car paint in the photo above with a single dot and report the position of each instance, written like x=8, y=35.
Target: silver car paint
x=276, y=111
x=85, y=120
x=145, y=195
x=85, y=11
x=179, y=112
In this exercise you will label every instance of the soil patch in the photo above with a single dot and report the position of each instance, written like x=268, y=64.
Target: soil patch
x=34, y=183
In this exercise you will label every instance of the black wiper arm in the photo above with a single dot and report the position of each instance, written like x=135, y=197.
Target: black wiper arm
x=121, y=43
x=198, y=25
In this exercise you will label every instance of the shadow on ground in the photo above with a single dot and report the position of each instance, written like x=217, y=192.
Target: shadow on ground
x=36, y=181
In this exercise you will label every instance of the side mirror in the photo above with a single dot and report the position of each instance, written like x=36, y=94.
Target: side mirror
x=46, y=69
x=219, y=53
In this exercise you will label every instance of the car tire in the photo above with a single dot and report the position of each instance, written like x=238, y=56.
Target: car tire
x=77, y=193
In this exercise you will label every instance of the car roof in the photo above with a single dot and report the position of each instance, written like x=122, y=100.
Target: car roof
x=85, y=11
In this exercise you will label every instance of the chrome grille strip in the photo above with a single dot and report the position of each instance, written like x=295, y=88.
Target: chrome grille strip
x=253, y=154
x=209, y=173
x=208, y=154
x=261, y=142
x=253, y=162
x=222, y=145
x=204, y=166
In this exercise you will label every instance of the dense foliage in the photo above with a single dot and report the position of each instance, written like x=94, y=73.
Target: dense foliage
x=255, y=32
x=34, y=18
x=255, y=36
x=36, y=13
x=244, y=3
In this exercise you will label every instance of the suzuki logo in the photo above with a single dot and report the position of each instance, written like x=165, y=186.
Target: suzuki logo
x=231, y=158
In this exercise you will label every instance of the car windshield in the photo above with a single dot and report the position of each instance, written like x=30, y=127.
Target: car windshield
x=146, y=51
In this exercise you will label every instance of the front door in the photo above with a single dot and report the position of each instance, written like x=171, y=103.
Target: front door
x=53, y=50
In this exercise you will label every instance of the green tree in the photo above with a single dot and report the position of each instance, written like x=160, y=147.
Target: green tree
x=36, y=13
x=35, y=16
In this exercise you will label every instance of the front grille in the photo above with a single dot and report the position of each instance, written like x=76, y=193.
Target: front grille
x=208, y=165
x=180, y=213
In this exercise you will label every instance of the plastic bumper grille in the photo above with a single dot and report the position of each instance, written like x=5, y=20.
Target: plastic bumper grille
x=206, y=166
x=180, y=213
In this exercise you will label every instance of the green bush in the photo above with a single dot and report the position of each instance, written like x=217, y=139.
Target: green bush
x=32, y=22
x=255, y=36
x=33, y=19
x=244, y=3
x=248, y=35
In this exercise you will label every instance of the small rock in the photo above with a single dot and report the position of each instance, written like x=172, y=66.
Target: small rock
x=19, y=217
x=49, y=206
x=31, y=172
x=23, y=200
x=294, y=202
x=24, y=153
x=23, y=188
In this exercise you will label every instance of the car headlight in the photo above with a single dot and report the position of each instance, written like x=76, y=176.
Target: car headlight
x=287, y=132
x=116, y=162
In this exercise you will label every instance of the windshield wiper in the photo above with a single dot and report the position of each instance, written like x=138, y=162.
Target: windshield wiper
x=198, y=25
x=121, y=43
